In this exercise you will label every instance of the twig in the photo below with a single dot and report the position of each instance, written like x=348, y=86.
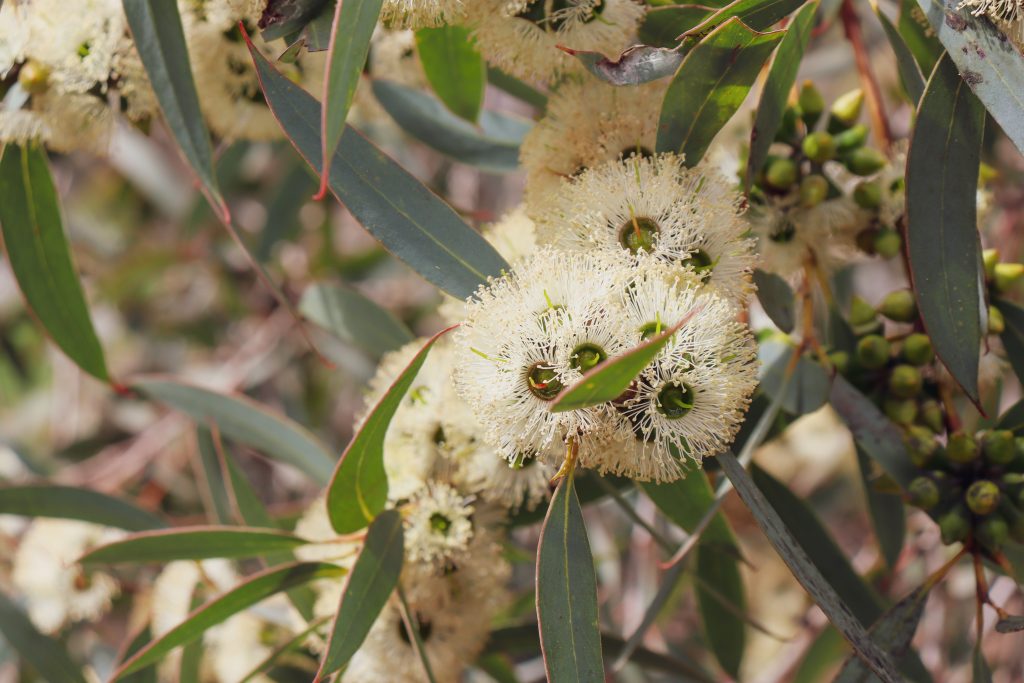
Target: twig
x=873, y=93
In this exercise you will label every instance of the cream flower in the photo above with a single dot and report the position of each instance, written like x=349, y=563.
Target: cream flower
x=1007, y=14
x=438, y=525
x=639, y=207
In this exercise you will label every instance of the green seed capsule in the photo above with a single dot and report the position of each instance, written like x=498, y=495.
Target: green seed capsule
x=917, y=349
x=819, y=147
x=849, y=140
x=954, y=526
x=996, y=322
x=921, y=445
x=788, y=126
x=840, y=361
x=993, y=533
x=873, y=351
x=846, y=110
x=990, y=257
x=868, y=195
x=813, y=190
x=932, y=416
x=961, y=448
x=34, y=77
x=782, y=174
x=865, y=161
x=905, y=381
x=923, y=493
x=1006, y=275
x=888, y=243
x=901, y=411
x=998, y=447
x=982, y=497
x=899, y=306
x=811, y=103
x=861, y=312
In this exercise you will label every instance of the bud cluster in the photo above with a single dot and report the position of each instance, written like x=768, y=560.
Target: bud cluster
x=1000, y=279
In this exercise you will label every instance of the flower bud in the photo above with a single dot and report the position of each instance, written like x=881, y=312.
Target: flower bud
x=868, y=195
x=813, y=190
x=899, y=306
x=932, y=416
x=811, y=103
x=996, y=322
x=1006, y=275
x=954, y=525
x=998, y=447
x=917, y=349
x=849, y=140
x=993, y=532
x=923, y=493
x=873, y=352
x=982, y=497
x=905, y=381
x=887, y=242
x=840, y=361
x=819, y=147
x=921, y=445
x=961, y=448
x=861, y=312
x=34, y=77
x=788, y=126
x=990, y=257
x=865, y=161
x=782, y=174
x=845, y=110
x=900, y=411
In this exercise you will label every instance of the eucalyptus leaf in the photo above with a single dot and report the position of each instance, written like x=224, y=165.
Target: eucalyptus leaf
x=808, y=384
x=910, y=72
x=45, y=654
x=1013, y=419
x=894, y=632
x=515, y=87
x=353, y=318
x=193, y=543
x=1013, y=335
x=1010, y=624
x=281, y=17
x=759, y=15
x=773, y=292
x=662, y=26
x=918, y=34
x=943, y=247
x=888, y=516
x=72, y=502
x=454, y=68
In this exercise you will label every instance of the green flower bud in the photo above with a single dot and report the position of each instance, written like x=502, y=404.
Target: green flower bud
x=34, y=77
x=788, y=127
x=954, y=526
x=865, y=161
x=1006, y=275
x=996, y=322
x=849, y=140
x=819, y=147
x=899, y=306
x=982, y=497
x=923, y=493
x=782, y=174
x=905, y=381
x=1012, y=479
x=845, y=110
x=888, y=242
x=868, y=194
x=917, y=349
x=873, y=351
x=961, y=448
x=840, y=361
x=932, y=416
x=900, y=411
x=813, y=190
x=861, y=312
x=811, y=103
x=998, y=447
x=993, y=532
x=921, y=445
x=990, y=257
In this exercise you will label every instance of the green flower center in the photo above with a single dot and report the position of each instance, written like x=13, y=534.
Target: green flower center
x=587, y=356
x=702, y=264
x=675, y=400
x=439, y=437
x=639, y=233
x=543, y=381
x=440, y=523
x=785, y=233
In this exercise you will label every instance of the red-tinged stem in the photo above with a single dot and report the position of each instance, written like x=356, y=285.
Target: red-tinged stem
x=872, y=92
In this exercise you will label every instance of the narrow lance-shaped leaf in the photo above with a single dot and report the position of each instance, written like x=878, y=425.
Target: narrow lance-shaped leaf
x=197, y=543
x=774, y=96
x=918, y=34
x=159, y=36
x=1013, y=335
x=40, y=256
x=567, y=593
x=215, y=486
x=354, y=22
x=942, y=232
x=775, y=294
x=281, y=17
x=710, y=86
x=910, y=72
x=894, y=632
x=988, y=62
x=47, y=656
x=515, y=87
x=71, y=502
x=407, y=218
x=759, y=15
x=662, y=26
x=245, y=421
x=353, y=318
x=254, y=589
x=806, y=572
x=454, y=68
x=492, y=145
x=373, y=578
x=359, y=487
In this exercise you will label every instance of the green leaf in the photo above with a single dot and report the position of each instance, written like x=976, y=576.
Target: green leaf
x=213, y=479
x=662, y=26
x=254, y=589
x=41, y=257
x=397, y=209
x=943, y=247
x=492, y=145
x=989, y=63
x=1013, y=419
x=759, y=15
x=608, y=380
x=1010, y=624
x=281, y=17
x=918, y=35
x=809, y=576
x=354, y=22
x=774, y=96
x=517, y=88
x=567, y=593
x=454, y=68
x=636, y=65
x=806, y=390
x=774, y=293
x=282, y=223
x=710, y=86
x=46, y=655
x=873, y=431
x=67, y=502
x=354, y=319
x=590, y=488
x=245, y=421
x=1013, y=335
x=979, y=667
x=160, y=39
x=148, y=676
x=373, y=578
x=910, y=72
x=888, y=516
x=894, y=632
x=359, y=486
x=193, y=543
